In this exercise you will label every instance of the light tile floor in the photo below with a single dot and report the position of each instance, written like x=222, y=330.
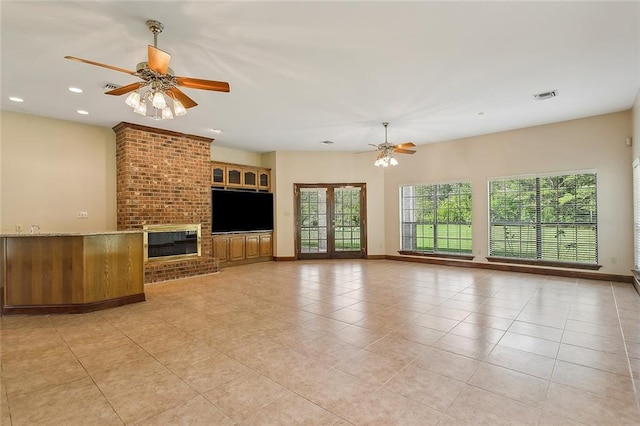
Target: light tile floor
x=334, y=342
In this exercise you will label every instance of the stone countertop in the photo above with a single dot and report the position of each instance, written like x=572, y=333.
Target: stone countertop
x=70, y=234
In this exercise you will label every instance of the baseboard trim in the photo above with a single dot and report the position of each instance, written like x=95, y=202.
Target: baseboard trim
x=376, y=256
x=516, y=268
x=636, y=280
x=72, y=308
x=284, y=258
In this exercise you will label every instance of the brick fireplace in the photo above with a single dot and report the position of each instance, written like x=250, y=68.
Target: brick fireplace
x=163, y=179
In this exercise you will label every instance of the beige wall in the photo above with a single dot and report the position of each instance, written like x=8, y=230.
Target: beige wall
x=53, y=169
x=322, y=167
x=596, y=143
x=228, y=155
x=636, y=126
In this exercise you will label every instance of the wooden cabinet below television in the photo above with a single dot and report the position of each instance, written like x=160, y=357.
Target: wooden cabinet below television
x=237, y=176
x=221, y=248
x=239, y=249
x=266, y=246
x=236, y=248
x=252, y=245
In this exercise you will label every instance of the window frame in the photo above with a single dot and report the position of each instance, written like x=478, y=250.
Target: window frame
x=436, y=252
x=541, y=256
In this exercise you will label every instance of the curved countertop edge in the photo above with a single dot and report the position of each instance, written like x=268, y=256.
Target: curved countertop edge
x=71, y=234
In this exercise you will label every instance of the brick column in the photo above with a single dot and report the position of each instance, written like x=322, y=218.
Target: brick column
x=162, y=177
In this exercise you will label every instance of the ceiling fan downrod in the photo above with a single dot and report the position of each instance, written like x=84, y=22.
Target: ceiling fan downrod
x=385, y=124
x=156, y=28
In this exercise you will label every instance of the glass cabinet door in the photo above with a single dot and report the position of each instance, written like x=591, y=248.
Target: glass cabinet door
x=250, y=178
x=234, y=176
x=217, y=175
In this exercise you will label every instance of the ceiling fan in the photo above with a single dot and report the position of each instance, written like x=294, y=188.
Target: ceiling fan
x=386, y=150
x=158, y=78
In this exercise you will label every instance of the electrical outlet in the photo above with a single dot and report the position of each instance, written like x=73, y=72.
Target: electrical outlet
x=614, y=260
x=83, y=215
x=18, y=228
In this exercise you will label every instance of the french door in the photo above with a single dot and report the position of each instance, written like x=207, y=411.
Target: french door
x=330, y=221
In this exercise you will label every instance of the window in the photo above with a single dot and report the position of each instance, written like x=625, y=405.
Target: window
x=636, y=210
x=436, y=218
x=544, y=218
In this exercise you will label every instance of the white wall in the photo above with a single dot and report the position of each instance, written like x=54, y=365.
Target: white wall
x=53, y=169
x=595, y=143
x=323, y=167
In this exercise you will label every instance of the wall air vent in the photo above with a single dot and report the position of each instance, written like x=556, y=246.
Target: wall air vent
x=110, y=86
x=546, y=95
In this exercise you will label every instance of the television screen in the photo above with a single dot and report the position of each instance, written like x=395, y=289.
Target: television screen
x=241, y=211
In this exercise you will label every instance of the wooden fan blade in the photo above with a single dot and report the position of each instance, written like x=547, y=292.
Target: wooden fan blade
x=372, y=144
x=179, y=95
x=158, y=60
x=125, y=89
x=405, y=145
x=111, y=67
x=196, y=83
x=404, y=151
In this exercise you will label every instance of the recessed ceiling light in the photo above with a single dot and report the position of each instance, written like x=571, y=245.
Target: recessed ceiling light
x=83, y=112
x=216, y=131
x=16, y=99
x=327, y=142
x=75, y=89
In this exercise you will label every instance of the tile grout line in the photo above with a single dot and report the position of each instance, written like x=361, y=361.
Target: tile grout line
x=626, y=351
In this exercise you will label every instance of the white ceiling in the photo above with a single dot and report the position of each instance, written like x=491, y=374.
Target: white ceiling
x=304, y=72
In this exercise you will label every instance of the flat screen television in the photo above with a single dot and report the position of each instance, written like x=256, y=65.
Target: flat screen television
x=241, y=211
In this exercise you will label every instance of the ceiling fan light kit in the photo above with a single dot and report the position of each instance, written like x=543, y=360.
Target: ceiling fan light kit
x=158, y=96
x=385, y=150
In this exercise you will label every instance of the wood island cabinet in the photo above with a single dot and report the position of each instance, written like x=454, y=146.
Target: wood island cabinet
x=70, y=273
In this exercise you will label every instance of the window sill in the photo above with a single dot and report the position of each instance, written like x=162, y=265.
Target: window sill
x=554, y=264
x=436, y=254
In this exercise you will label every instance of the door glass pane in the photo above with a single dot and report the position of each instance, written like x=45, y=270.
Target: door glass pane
x=347, y=219
x=313, y=220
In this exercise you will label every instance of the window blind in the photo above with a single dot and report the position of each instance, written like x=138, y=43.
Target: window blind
x=551, y=218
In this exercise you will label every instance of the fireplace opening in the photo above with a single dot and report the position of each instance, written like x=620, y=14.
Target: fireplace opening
x=171, y=242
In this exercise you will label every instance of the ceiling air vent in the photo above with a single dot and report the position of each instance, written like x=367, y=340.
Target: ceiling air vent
x=110, y=86
x=546, y=95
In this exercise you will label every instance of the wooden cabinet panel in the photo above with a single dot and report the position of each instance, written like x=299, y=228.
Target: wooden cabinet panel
x=243, y=248
x=218, y=175
x=264, y=180
x=229, y=175
x=266, y=247
x=71, y=273
x=252, y=246
x=234, y=176
x=221, y=248
x=236, y=248
x=250, y=177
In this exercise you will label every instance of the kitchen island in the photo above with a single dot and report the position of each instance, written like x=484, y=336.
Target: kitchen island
x=46, y=273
